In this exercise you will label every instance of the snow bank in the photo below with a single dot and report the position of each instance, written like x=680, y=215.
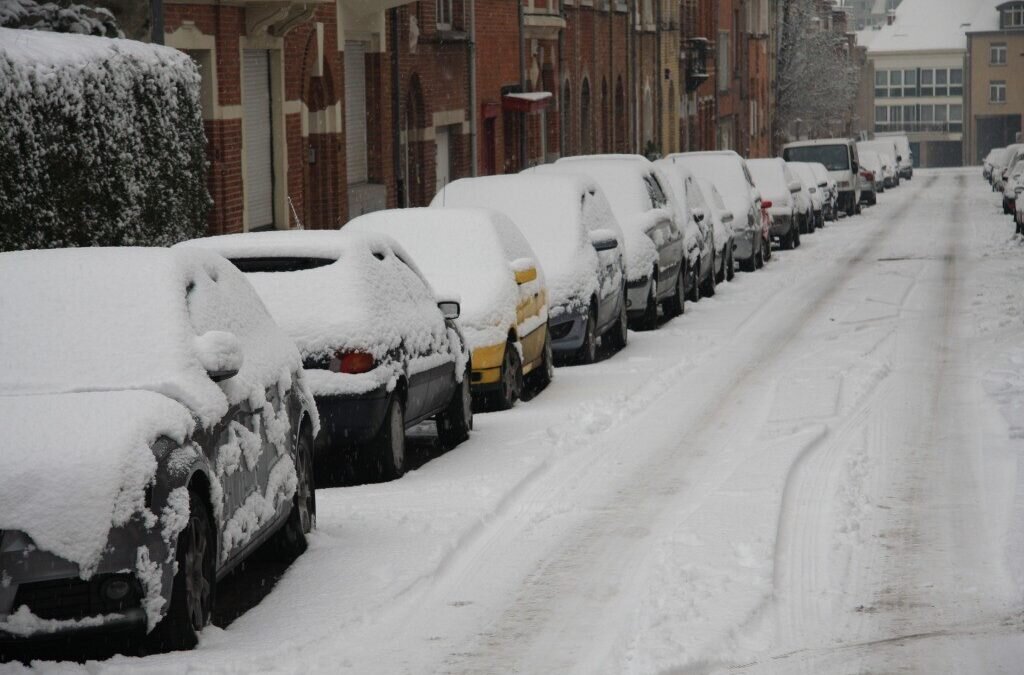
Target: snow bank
x=473, y=252
x=370, y=297
x=75, y=464
x=102, y=141
x=547, y=210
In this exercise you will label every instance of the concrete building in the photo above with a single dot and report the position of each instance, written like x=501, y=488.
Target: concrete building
x=995, y=79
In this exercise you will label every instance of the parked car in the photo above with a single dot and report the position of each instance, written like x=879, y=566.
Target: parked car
x=778, y=188
x=1009, y=182
x=658, y=255
x=886, y=148
x=804, y=202
x=987, y=163
x=905, y=155
x=682, y=188
x=839, y=155
x=870, y=177
x=157, y=429
x=729, y=172
x=1001, y=167
x=568, y=223
x=482, y=256
x=381, y=351
x=829, y=190
x=721, y=224
x=805, y=174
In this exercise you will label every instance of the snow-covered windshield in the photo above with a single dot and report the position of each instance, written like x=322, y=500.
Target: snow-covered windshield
x=770, y=178
x=834, y=157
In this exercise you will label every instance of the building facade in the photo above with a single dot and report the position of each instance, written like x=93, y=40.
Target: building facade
x=995, y=80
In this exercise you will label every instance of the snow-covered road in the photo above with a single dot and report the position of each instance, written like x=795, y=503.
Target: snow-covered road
x=815, y=471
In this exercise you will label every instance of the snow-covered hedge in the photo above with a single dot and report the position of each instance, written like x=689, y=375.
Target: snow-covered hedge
x=102, y=143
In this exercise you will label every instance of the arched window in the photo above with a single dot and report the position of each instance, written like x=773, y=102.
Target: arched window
x=566, y=119
x=586, y=128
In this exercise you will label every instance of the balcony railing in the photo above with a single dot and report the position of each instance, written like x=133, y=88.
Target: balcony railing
x=921, y=127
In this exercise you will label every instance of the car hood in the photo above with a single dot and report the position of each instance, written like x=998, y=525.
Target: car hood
x=76, y=465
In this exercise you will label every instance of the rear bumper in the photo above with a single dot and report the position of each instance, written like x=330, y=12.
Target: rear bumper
x=744, y=244
x=568, y=330
x=348, y=420
x=782, y=224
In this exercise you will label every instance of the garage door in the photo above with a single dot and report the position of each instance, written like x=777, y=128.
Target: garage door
x=259, y=142
x=355, y=111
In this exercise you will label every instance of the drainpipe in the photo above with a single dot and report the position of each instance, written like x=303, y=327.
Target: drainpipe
x=660, y=77
x=560, y=80
x=156, y=12
x=473, y=112
x=396, y=122
x=523, y=120
x=629, y=69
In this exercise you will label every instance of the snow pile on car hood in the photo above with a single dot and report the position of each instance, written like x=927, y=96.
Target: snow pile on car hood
x=461, y=251
x=74, y=465
x=97, y=319
x=548, y=211
x=367, y=296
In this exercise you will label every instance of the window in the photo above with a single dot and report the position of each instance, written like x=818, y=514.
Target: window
x=927, y=82
x=896, y=83
x=941, y=76
x=1012, y=16
x=927, y=113
x=909, y=113
x=896, y=114
x=881, y=83
x=956, y=113
x=956, y=82
x=444, y=14
x=723, y=61
x=997, y=91
x=997, y=54
x=881, y=114
x=940, y=113
x=910, y=83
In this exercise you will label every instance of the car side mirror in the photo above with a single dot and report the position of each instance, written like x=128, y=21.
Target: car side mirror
x=603, y=240
x=795, y=187
x=698, y=215
x=220, y=354
x=450, y=308
x=766, y=203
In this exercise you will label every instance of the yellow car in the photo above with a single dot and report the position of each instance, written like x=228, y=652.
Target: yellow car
x=480, y=256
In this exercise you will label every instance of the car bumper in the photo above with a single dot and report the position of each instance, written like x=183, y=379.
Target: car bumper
x=907, y=172
x=637, y=292
x=350, y=420
x=782, y=224
x=568, y=330
x=743, y=244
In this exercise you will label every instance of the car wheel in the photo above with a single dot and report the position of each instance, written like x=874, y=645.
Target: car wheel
x=389, y=446
x=455, y=423
x=759, y=257
x=587, y=353
x=796, y=239
x=709, y=283
x=543, y=374
x=290, y=540
x=694, y=284
x=676, y=305
x=730, y=265
x=619, y=334
x=724, y=259
x=511, y=383
x=649, y=320
x=789, y=241
x=194, y=583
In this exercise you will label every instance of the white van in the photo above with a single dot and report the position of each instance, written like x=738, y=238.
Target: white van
x=906, y=155
x=839, y=155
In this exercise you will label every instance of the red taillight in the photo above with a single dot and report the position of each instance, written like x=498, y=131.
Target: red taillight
x=352, y=363
x=766, y=204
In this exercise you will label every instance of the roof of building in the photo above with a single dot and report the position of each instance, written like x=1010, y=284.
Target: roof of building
x=986, y=18
x=928, y=25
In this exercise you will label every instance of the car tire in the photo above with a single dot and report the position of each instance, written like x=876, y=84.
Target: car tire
x=720, y=275
x=694, y=295
x=796, y=239
x=759, y=257
x=455, y=423
x=709, y=283
x=587, y=352
x=290, y=541
x=194, y=586
x=389, y=446
x=649, y=321
x=676, y=305
x=511, y=382
x=789, y=241
x=619, y=334
x=542, y=375
x=730, y=264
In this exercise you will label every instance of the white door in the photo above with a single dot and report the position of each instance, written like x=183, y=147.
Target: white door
x=443, y=162
x=355, y=111
x=258, y=138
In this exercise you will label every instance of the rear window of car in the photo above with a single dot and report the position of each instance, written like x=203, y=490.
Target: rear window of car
x=280, y=264
x=834, y=157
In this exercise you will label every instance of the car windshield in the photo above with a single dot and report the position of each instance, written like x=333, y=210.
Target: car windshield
x=834, y=157
x=280, y=264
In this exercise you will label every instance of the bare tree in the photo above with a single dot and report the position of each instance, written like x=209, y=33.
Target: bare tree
x=817, y=79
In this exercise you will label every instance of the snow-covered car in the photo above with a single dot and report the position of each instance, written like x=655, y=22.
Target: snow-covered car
x=729, y=172
x=481, y=255
x=806, y=175
x=659, y=249
x=839, y=155
x=989, y=161
x=1011, y=182
x=804, y=200
x=157, y=429
x=682, y=188
x=381, y=351
x=1013, y=191
x=778, y=190
x=904, y=154
x=889, y=154
x=569, y=224
x=870, y=177
x=1002, y=164
x=830, y=192
x=721, y=224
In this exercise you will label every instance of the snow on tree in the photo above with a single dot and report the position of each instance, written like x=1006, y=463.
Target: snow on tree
x=59, y=17
x=102, y=142
x=817, y=79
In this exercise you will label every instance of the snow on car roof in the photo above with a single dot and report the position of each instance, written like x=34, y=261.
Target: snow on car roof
x=725, y=169
x=467, y=251
x=548, y=210
x=107, y=319
x=370, y=298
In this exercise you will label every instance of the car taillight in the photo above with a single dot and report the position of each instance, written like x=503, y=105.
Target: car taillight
x=352, y=363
